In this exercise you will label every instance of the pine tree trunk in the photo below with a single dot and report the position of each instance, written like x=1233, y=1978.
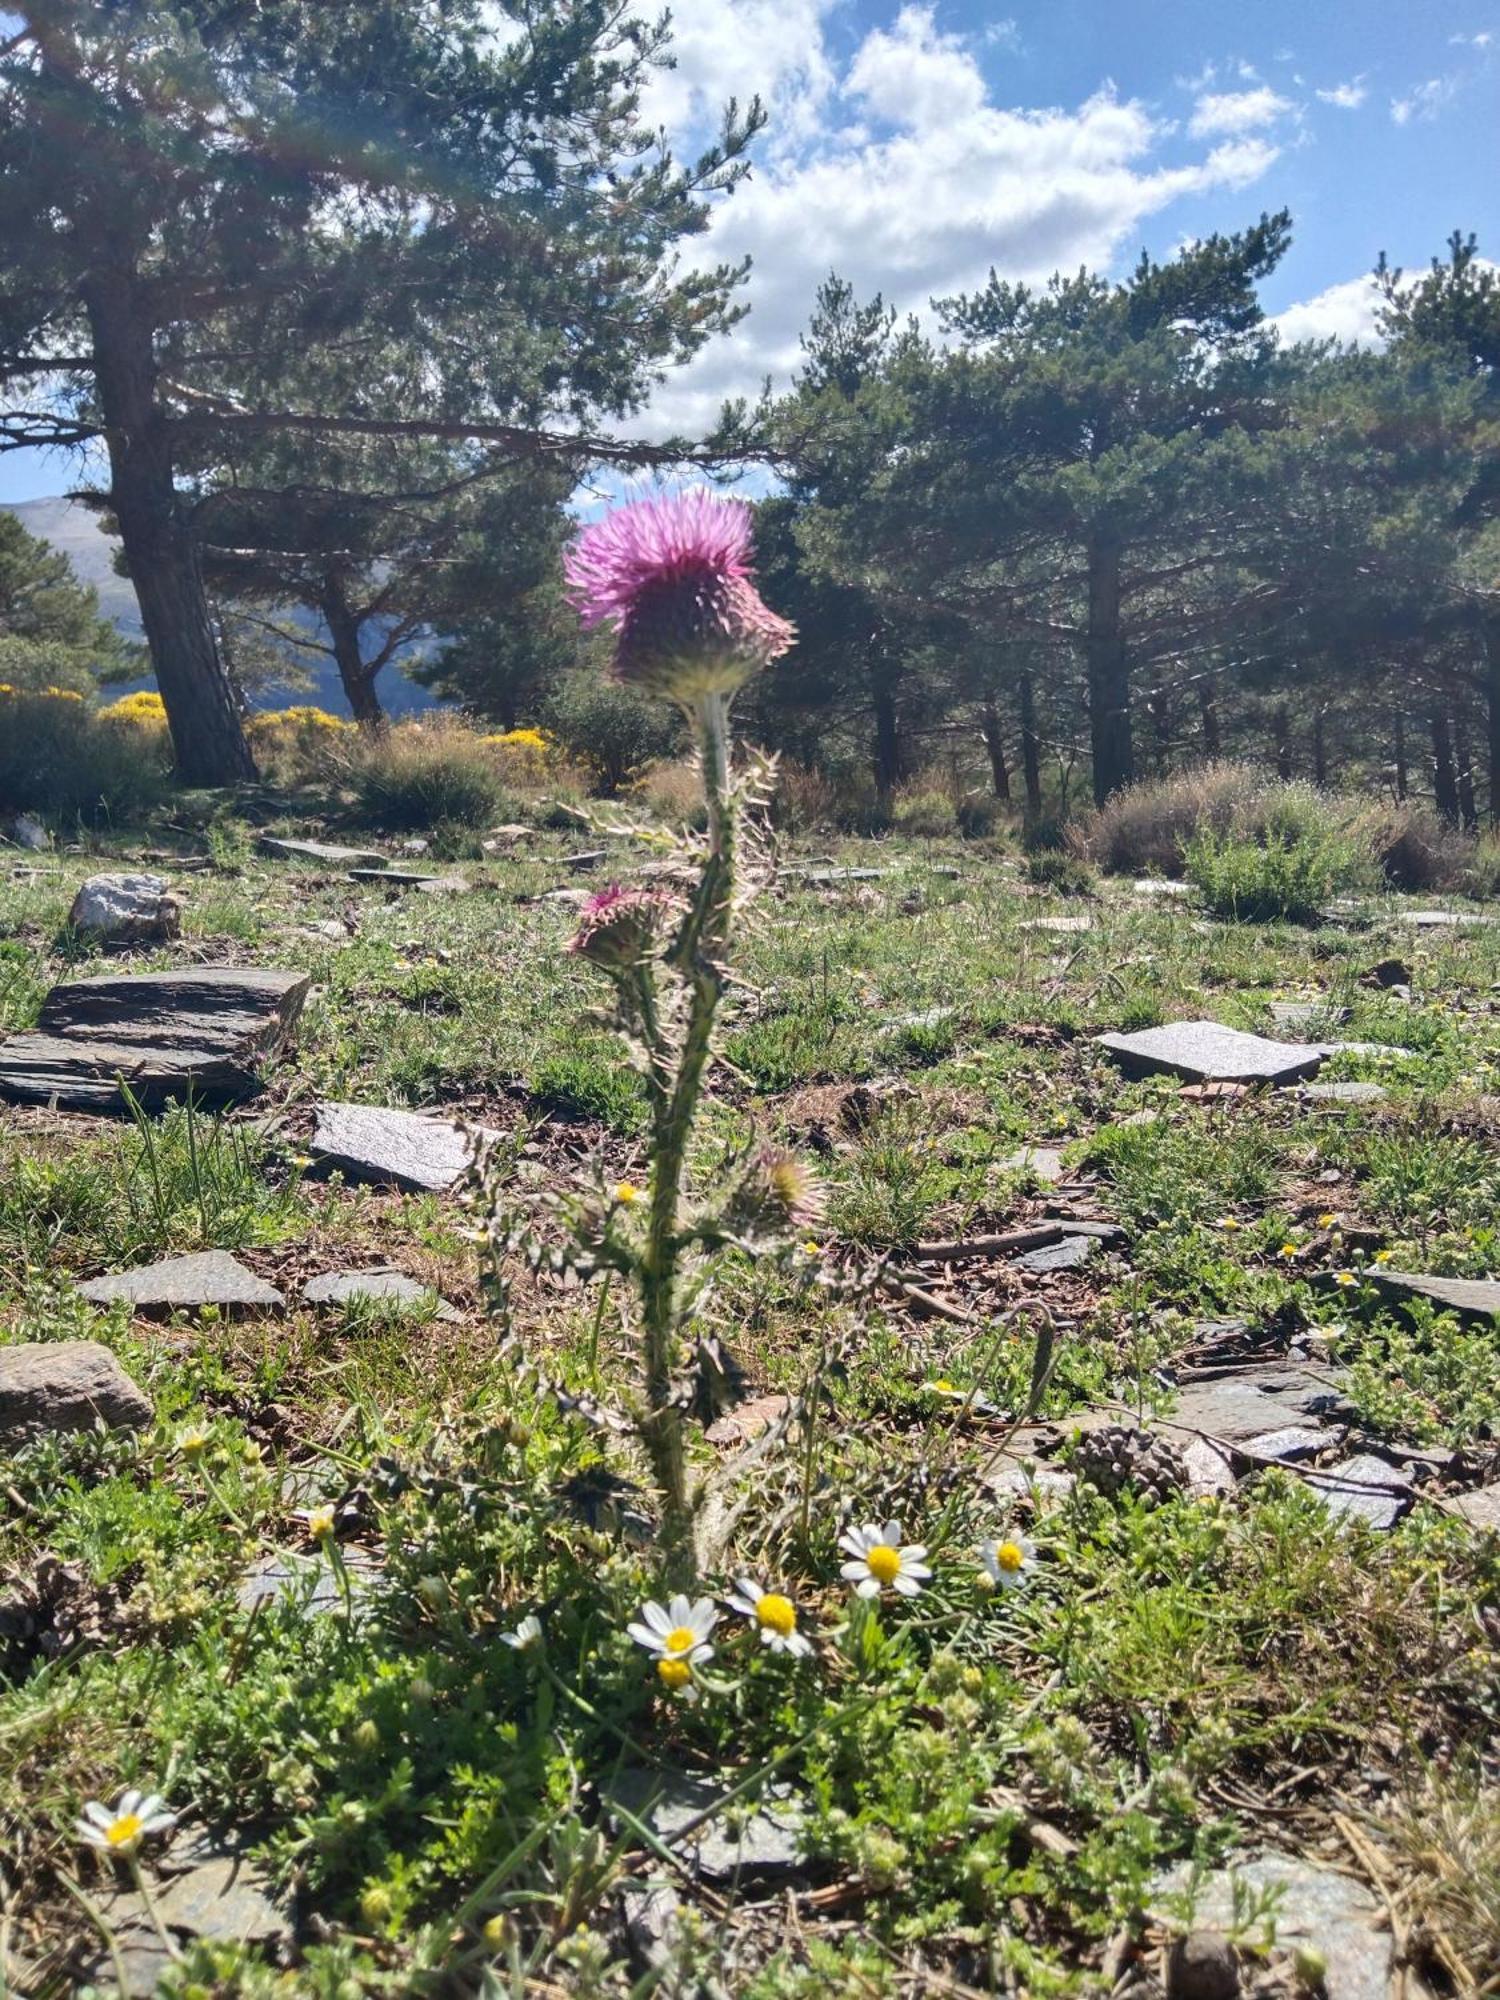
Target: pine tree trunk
x=1031, y=748
x=208, y=739
x=994, y=743
x=357, y=679
x=1281, y=734
x=1108, y=674
x=889, y=764
x=1402, y=774
x=1444, y=772
x=1464, y=766
x=1320, y=748
x=1490, y=633
x=1208, y=717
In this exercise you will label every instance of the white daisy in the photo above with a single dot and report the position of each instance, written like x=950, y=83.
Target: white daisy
x=773, y=1614
x=1009, y=1561
x=881, y=1561
x=137, y=1815
x=527, y=1637
x=678, y=1635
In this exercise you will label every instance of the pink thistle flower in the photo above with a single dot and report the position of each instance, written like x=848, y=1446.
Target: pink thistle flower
x=618, y=927
x=673, y=576
x=779, y=1193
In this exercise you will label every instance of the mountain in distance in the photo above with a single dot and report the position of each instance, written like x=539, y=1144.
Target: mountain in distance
x=74, y=530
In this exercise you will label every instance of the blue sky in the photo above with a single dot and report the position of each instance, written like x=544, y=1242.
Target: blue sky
x=912, y=146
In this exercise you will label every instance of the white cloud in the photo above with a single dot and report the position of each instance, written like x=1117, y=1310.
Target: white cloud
x=1347, y=96
x=772, y=49
x=1344, y=312
x=1482, y=40
x=1425, y=101
x=911, y=179
x=1236, y=111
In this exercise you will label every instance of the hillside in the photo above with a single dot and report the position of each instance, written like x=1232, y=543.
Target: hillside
x=75, y=530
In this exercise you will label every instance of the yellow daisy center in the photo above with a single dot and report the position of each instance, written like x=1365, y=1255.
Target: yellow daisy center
x=883, y=1562
x=1010, y=1556
x=674, y=1673
x=122, y=1831
x=681, y=1639
x=777, y=1613
x=627, y=1192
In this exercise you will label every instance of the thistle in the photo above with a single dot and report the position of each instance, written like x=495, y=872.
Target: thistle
x=674, y=579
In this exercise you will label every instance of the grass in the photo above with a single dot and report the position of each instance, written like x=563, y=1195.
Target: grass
x=987, y=1784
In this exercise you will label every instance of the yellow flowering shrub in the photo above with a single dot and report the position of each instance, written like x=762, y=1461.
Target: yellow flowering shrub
x=145, y=708
x=293, y=745
x=280, y=721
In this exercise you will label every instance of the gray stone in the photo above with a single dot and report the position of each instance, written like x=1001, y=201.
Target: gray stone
x=337, y=1288
x=308, y=1581
x=48, y=1386
x=1316, y=1907
x=391, y=1148
x=126, y=909
x=1292, y=1444
x=207, y=1278
x=1481, y=1508
x=652, y=1910
x=1391, y=973
x=1043, y=1163
x=1375, y=1049
x=1344, y=1093
x=1209, y=1470
x=1062, y=926
x=747, y=1838
x=407, y=878
x=1026, y=1479
x=1303, y=1014
x=1364, y=1488
x=1470, y=1298
x=927, y=1017
x=1208, y=1052
x=24, y=831
x=325, y=853
x=205, y=1030
x=580, y=864
x=828, y=878
x=209, y=1888
x=1070, y=1255
x=1203, y=1965
x=1438, y=920
x=1248, y=1402
x=1157, y=885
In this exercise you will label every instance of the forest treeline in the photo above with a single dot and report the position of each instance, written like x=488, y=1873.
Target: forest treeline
x=350, y=299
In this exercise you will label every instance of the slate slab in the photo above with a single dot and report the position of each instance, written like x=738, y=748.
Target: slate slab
x=1061, y=926
x=337, y=1288
x=48, y=1386
x=208, y=1888
x=1210, y=1471
x=1208, y=1052
x=1364, y=1488
x=1481, y=1508
x=326, y=853
x=580, y=864
x=126, y=909
x=1248, y=1402
x=1440, y=920
x=828, y=878
x=1293, y=1444
x=208, y=1030
x=406, y=878
x=1298, y=1015
x=1470, y=1298
x=207, y=1278
x=1070, y=1255
x=1317, y=1907
x=1345, y=1093
x=309, y=1581
x=744, y=1839
x=389, y=1148
x=1158, y=885
x=1044, y=1163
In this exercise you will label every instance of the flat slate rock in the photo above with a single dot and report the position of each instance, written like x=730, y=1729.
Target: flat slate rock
x=207, y=1278
x=1248, y=1402
x=1364, y=1488
x=337, y=1288
x=1440, y=920
x=324, y=852
x=1316, y=1908
x=1208, y=1052
x=407, y=878
x=1481, y=1508
x=1345, y=1093
x=828, y=878
x=1293, y=1444
x=595, y=857
x=48, y=1386
x=308, y=1581
x=1063, y=926
x=1303, y=1014
x=1158, y=885
x=204, y=1030
x=1070, y=1255
x=747, y=1839
x=1470, y=1298
x=1043, y=1163
x=390, y=1148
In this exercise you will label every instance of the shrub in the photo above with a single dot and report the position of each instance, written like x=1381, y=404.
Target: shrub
x=418, y=775
x=525, y=756
x=1289, y=874
x=1482, y=875
x=923, y=810
x=1063, y=873
x=145, y=708
x=614, y=731
x=1413, y=848
x=295, y=746
x=805, y=798
x=60, y=758
x=1146, y=829
x=979, y=815
x=673, y=792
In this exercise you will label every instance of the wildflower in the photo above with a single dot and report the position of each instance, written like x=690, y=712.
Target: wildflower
x=527, y=1637
x=618, y=927
x=1383, y=1256
x=626, y=1193
x=673, y=576
x=879, y=1560
x=192, y=1444
x=1327, y=1220
x=812, y=1249
x=137, y=1815
x=774, y=1614
x=1228, y=1222
x=1007, y=1562
x=1287, y=1250
x=678, y=1634
x=783, y=1189
x=320, y=1524
x=1345, y=1278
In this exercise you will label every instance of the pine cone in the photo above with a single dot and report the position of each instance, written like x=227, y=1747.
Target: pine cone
x=1119, y=1459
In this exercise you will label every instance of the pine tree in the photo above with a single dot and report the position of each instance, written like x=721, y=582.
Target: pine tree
x=51, y=633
